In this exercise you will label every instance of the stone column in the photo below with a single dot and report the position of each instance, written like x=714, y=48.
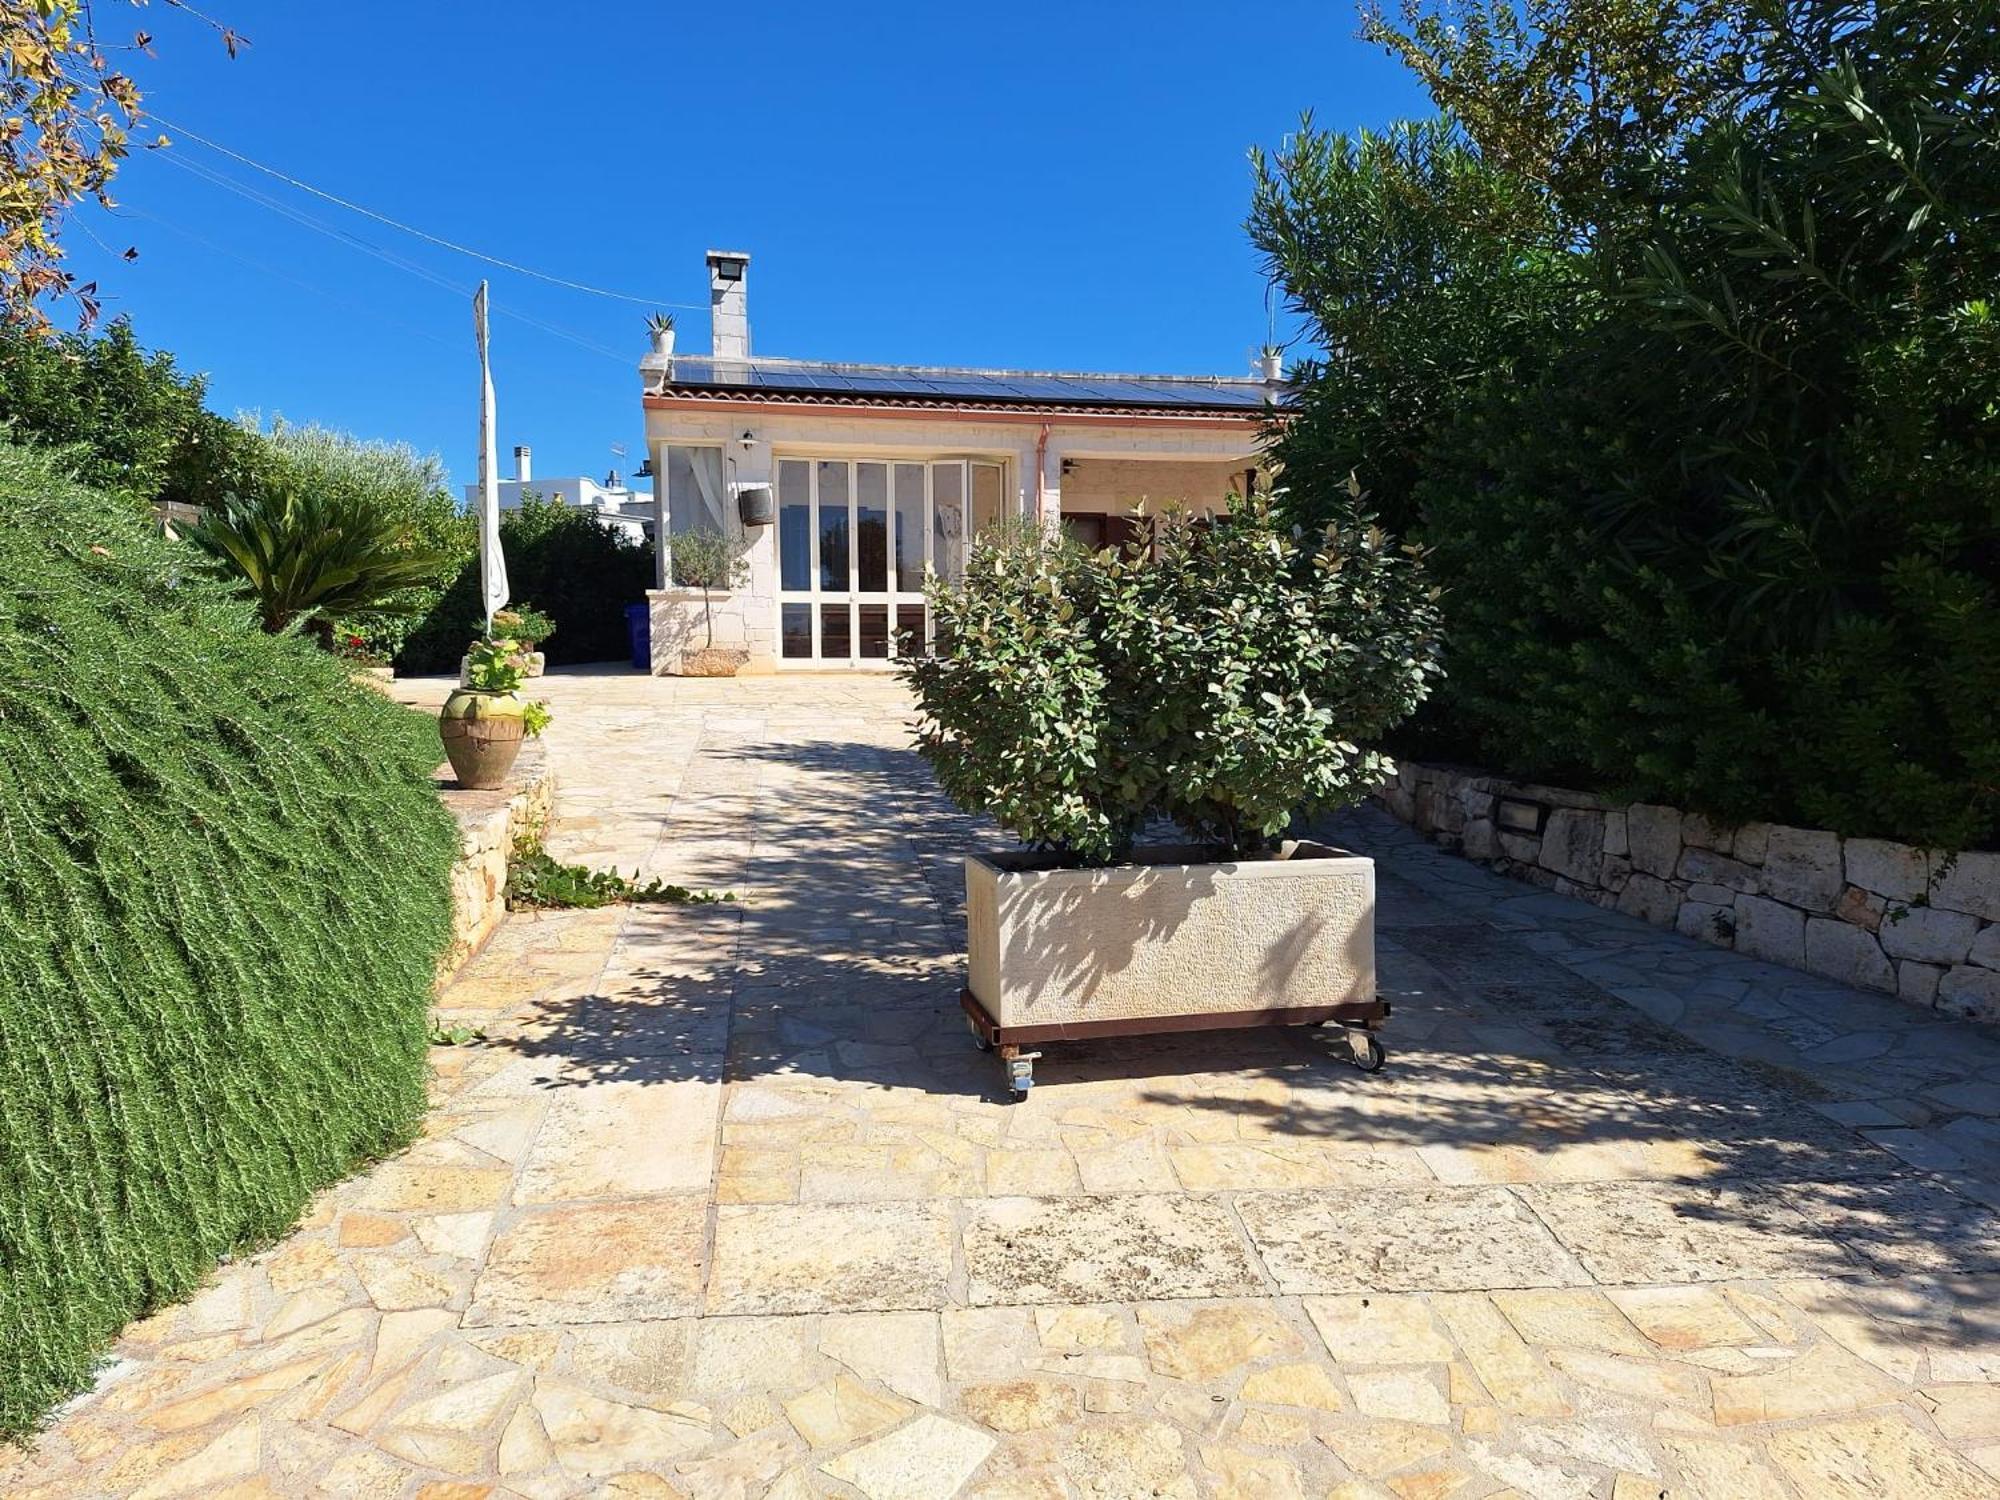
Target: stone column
x=656, y=454
x=1050, y=507
x=758, y=599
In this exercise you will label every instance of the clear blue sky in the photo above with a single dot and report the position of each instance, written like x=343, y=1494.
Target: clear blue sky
x=1033, y=185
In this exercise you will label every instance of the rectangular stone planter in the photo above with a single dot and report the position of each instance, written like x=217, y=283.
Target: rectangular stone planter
x=1169, y=943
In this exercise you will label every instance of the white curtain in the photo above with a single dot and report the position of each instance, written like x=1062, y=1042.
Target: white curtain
x=694, y=490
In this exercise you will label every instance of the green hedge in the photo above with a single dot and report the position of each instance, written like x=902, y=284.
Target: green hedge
x=1696, y=407
x=569, y=563
x=223, y=888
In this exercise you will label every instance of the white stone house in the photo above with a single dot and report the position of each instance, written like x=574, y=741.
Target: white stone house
x=622, y=508
x=875, y=475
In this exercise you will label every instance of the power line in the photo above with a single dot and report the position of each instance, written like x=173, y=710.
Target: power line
x=297, y=281
x=388, y=257
x=492, y=260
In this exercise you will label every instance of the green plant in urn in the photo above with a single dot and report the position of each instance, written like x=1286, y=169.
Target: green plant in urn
x=483, y=723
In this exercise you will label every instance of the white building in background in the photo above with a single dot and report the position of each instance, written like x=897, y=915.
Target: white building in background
x=624, y=509
x=847, y=484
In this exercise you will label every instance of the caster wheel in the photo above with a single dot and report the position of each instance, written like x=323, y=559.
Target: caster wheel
x=979, y=1038
x=1366, y=1052
x=1019, y=1096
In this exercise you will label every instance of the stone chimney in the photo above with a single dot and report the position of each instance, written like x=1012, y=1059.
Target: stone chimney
x=524, y=462
x=728, y=304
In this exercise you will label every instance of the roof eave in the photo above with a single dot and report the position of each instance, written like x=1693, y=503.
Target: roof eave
x=736, y=397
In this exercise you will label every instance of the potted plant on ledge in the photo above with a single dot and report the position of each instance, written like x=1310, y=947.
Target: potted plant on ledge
x=527, y=627
x=483, y=722
x=522, y=627
x=1225, y=681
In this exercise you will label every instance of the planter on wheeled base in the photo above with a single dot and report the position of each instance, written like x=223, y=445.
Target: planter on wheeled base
x=1169, y=943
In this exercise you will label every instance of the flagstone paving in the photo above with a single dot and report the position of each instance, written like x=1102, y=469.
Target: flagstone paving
x=727, y=1205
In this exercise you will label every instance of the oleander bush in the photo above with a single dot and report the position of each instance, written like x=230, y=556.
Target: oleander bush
x=224, y=885
x=1227, y=674
x=1674, y=340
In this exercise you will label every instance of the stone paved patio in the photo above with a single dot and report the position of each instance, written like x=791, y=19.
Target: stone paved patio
x=728, y=1205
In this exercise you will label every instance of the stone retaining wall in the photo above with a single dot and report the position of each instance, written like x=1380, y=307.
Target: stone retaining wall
x=489, y=823
x=1882, y=916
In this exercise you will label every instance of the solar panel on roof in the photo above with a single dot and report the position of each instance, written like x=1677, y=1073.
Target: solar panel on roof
x=783, y=379
x=899, y=384
x=971, y=385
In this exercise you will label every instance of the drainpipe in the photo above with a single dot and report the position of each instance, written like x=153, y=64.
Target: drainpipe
x=1041, y=468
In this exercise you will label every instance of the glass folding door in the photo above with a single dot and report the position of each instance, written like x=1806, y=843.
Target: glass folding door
x=856, y=538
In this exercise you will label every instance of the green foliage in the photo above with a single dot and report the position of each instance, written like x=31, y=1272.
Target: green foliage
x=453, y=1034
x=1580, y=102
x=224, y=885
x=707, y=559
x=309, y=557
x=1224, y=680
x=1714, y=496
x=1424, y=270
x=129, y=422
x=405, y=489
x=537, y=878
x=523, y=623
x=494, y=667
x=497, y=667
x=582, y=571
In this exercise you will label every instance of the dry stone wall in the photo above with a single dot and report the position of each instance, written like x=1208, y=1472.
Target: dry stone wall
x=1882, y=916
x=488, y=824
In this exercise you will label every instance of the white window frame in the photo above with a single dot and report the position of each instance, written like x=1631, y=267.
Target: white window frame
x=663, y=507
x=816, y=598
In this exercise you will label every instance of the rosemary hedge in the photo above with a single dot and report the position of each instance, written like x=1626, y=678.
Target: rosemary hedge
x=223, y=889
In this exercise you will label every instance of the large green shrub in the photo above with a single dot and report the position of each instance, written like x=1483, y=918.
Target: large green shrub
x=130, y=422
x=1695, y=400
x=311, y=557
x=578, y=569
x=1226, y=679
x=223, y=889
x=396, y=493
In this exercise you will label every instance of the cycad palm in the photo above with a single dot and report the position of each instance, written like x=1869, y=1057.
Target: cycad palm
x=308, y=559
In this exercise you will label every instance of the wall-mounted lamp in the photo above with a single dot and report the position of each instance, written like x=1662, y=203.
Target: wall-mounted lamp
x=756, y=505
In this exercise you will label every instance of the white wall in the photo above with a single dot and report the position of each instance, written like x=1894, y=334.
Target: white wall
x=628, y=511
x=1118, y=486
x=1200, y=450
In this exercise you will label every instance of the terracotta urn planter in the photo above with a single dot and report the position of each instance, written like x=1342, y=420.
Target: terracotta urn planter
x=1169, y=943
x=482, y=733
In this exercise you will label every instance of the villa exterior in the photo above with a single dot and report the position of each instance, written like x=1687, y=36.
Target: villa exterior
x=870, y=476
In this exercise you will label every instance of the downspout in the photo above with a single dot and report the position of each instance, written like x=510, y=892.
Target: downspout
x=1041, y=468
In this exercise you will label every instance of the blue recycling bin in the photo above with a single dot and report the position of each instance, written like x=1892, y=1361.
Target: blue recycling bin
x=639, y=626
